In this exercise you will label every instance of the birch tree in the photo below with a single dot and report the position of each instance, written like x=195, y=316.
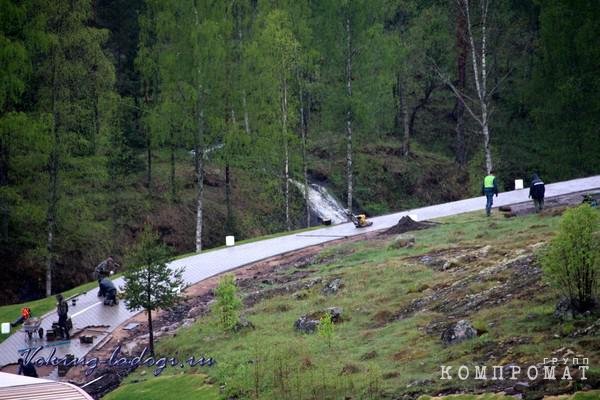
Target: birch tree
x=479, y=107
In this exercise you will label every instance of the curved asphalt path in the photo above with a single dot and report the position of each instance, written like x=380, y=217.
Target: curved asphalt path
x=90, y=312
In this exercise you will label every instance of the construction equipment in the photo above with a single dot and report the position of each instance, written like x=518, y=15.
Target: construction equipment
x=33, y=325
x=360, y=220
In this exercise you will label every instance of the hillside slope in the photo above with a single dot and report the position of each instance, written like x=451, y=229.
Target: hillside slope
x=396, y=302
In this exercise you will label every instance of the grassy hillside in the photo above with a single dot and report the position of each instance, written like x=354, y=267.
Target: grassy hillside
x=396, y=302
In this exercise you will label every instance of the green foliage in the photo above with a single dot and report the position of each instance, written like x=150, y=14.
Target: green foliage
x=149, y=283
x=572, y=261
x=562, y=93
x=228, y=304
x=326, y=329
x=199, y=74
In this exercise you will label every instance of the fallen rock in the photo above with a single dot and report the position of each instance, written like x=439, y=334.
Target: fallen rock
x=308, y=323
x=592, y=330
x=333, y=286
x=564, y=310
x=459, y=332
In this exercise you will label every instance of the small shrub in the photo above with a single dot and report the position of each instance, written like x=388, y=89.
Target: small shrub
x=572, y=261
x=227, y=304
x=326, y=328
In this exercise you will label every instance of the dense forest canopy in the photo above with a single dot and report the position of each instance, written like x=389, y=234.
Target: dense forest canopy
x=198, y=116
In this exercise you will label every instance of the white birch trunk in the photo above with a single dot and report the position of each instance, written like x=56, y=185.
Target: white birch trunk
x=349, y=114
x=284, y=111
x=246, y=119
x=303, y=129
x=480, y=76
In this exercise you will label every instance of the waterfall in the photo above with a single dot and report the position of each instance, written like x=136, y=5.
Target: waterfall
x=322, y=203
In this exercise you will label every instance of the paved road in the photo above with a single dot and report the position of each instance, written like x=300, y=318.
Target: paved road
x=89, y=311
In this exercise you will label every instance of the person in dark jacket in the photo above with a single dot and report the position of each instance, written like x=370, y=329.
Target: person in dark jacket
x=62, y=309
x=110, y=292
x=537, y=191
x=27, y=369
x=489, y=189
x=103, y=270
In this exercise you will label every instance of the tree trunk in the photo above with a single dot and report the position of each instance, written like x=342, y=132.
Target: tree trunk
x=229, y=223
x=239, y=62
x=484, y=105
x=51, y=214
x=246, y=119
x=150, y=332
x=480, y=76
x=172, y=175
x=415, y=110
x=303, y=132
x=284, y=111
x=349, y=177
x=461, y=70
x=486, y=141
x=199, y=177
x=53, y=168
x=405, y=120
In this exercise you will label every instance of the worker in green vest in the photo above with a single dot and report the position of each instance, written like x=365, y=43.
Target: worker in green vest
x=489, y=188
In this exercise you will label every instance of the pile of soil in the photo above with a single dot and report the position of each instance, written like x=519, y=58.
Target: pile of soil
x=406, y=224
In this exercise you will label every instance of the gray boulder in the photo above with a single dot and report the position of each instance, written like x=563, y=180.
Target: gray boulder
x=459, y=332
x=333, y=286
x=564, y=310
x=308, y=323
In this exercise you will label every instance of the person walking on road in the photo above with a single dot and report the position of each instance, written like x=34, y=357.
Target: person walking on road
x=537, y=191
x=489, y=189
x=62, y=309
x=27, y=369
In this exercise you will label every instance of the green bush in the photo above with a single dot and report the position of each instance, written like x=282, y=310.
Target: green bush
x=326, y=328
x=227, y=304
x=572, y=261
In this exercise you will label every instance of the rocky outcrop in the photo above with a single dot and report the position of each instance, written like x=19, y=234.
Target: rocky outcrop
x=459, y=332
x=333, y=286
x=308, y=323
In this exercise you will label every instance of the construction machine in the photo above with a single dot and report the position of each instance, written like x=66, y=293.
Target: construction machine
x=360, y=220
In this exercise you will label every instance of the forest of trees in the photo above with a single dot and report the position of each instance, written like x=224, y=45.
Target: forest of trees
x=194, y=115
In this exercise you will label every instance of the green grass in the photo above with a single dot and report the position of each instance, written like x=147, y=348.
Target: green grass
x=373, y=353
x=166, y=387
